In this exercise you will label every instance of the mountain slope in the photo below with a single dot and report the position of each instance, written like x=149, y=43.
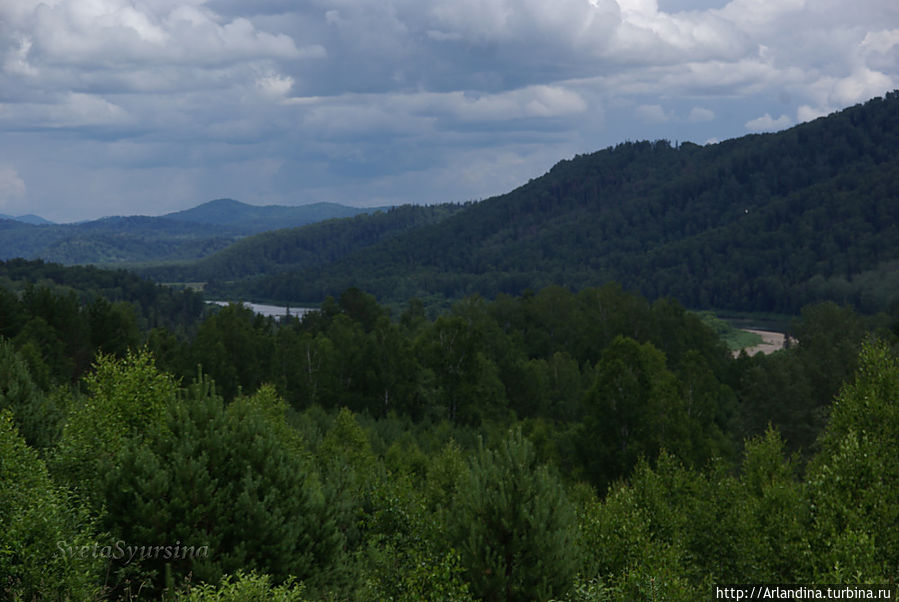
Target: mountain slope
x=764, y=222
x=253, y=218
x=300, y=248
x=181, y=236
x=113, y=240
x=27, y=219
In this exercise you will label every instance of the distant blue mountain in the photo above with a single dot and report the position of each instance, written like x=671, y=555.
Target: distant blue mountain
x=255, y=218
x=27, y=219
x=182, y=235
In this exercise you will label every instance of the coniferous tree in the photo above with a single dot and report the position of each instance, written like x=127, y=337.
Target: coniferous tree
x=230, y=485
x=513, y=525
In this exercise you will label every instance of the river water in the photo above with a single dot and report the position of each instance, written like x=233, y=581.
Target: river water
x=275, y=311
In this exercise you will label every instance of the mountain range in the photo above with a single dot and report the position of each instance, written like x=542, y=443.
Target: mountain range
x=27, y=219
x=766, y=222
x=181, y=235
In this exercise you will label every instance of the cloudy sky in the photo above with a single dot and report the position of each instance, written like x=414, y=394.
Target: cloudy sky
x=112, y=107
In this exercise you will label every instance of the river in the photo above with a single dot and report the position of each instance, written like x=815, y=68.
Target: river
x=272, y=311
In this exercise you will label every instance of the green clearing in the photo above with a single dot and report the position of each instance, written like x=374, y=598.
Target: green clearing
x=733, y=337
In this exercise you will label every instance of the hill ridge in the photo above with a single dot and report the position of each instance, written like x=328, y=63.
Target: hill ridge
x=765, y=222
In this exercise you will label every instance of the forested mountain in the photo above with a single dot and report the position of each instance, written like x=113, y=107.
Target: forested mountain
x=28, y=219
x=253, y=218
x=184, y=235
x=113, y=240
x=301, y=248
x=764, y=222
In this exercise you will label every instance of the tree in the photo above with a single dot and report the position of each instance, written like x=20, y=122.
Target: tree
x=854, y=480
x=37, y=415
x=127, y=398
x=633, y=410
x=234, y=347
x=468, y=380
x=41, y=536
x=513, y=525
x=230, y=484
x=113, y=326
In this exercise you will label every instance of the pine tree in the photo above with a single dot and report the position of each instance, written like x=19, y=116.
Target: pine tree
x=513, y=526
x=228, y=481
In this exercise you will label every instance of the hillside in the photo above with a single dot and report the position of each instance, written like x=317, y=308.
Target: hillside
x=113, y=240
x=27, y=219
x=254, y=218
x=184, y=235
x=762, y=223
x=302, y=248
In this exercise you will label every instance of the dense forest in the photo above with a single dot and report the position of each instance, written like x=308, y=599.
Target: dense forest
x=589, y=445
x=180, y=236
x=767, y=222
x=300, y=248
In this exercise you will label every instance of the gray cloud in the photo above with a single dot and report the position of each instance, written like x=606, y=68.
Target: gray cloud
x=114, y=106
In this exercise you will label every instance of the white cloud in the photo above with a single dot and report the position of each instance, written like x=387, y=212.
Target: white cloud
x=275, y=86
x=653, y=113
x=530, y=102
x=760, y=14
x=119, y=33
x=766, y=123
x=861, y=84
x=806, y=113
x=700, y=114
x=12, y=187
x=69, y=110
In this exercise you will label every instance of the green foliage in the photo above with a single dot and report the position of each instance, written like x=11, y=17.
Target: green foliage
x=402, y=553
x=37, y=415
x=153, y=305
x=513, y=525
x=636, y=408
x=41, y=535
x=853, y=481
x=127, y=399
x=232, y=346
x=468, y=385
x=794, y=389
x=243, y=587
x=733, y=337
x=227, y=481
x=622, y=556
x=387, y=498
x=656, y=529
x=113, y=327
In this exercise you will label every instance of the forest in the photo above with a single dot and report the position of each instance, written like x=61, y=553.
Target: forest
x=762, y=223
x=118, y=241
x=559, y=444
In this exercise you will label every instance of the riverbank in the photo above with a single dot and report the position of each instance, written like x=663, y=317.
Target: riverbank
x=771, y=342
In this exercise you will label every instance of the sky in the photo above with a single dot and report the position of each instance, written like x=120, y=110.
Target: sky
x=142, y=107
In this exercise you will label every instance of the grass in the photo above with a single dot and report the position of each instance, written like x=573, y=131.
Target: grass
x=733, y=337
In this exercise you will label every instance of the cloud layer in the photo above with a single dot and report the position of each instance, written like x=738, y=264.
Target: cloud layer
x=140, y=106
